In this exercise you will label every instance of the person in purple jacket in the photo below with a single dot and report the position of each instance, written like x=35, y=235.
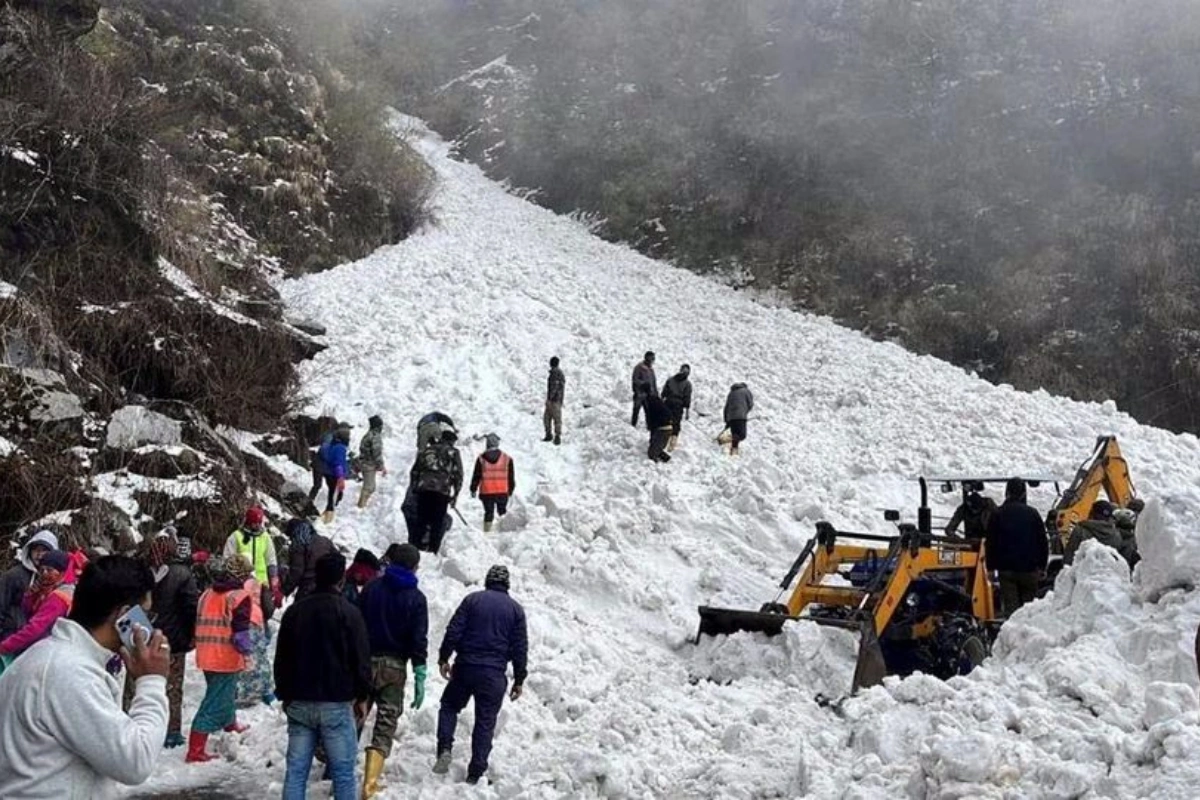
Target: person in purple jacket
x=487, y=631
x=333, y=463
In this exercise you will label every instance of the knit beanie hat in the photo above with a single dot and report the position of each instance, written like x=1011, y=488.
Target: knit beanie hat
x=56, y=559
x=493, y=441
x=330, y=569
x=497, y=576
x=239, y=567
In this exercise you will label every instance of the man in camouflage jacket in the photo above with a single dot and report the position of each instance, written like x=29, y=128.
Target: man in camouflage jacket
x=437, y=479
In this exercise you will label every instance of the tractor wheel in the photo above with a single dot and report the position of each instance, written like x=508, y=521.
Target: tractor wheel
x=972, y=654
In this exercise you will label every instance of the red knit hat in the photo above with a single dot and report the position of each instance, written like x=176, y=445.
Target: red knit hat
x=254, y=517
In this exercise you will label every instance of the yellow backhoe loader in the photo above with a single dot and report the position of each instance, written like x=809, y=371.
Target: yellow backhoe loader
x=919, y=601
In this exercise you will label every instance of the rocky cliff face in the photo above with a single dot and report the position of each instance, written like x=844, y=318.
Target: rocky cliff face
x=160, y=164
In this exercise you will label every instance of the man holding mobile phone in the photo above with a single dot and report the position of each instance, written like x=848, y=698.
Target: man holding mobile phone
x=62, y=729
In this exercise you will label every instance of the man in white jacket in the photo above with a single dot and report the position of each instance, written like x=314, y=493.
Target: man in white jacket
x=62, y=731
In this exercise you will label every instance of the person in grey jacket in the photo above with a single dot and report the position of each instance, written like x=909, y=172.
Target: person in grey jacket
x=677, y=393
x=738, y=406
x=556, y=386
x=645, y=384
x=15, y=581
x=370, y=459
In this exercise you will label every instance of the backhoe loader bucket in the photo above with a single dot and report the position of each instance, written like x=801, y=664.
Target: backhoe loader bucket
x=871, y=667
x=725, y=621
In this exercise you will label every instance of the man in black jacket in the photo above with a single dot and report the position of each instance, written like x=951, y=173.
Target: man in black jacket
x=1017, y=547
x=305, y=548
x=658, y=420
x=323, y=677
x=397, y=618
x=677, y=394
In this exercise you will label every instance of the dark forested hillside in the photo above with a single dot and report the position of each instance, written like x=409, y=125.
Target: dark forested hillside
x=1007, y=184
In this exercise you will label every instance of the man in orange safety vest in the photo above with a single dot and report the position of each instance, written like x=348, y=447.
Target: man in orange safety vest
x=494, y=481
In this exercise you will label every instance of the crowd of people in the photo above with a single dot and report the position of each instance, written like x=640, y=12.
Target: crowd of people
x=89, y=696
x=82, y=710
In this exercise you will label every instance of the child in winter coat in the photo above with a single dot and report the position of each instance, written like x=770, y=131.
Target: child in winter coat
x=48, y=598
x=222, y=643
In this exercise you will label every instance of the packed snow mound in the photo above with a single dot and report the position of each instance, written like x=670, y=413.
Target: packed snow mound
x=1089, y=694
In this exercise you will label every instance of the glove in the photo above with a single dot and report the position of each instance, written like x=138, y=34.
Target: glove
x=419, y=675
x=243, y=643
x=277, y=592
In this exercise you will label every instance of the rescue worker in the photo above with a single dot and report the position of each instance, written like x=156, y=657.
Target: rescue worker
x=397, y=618
x=315, y=462
x=556, y=386
x=486, y=632
x=644, y=383
x=253, y=541
x=431, y=427
x=1100, y=526
x=1017, y=547
x=974, y=514
x=370, y=456
x=494, y=480
x=738, y=406
x=437, y=478
x=333, y=462
x=18, y=578
x=222, y=644
x=1126, y=519
x=677, y=394
x=658, y=421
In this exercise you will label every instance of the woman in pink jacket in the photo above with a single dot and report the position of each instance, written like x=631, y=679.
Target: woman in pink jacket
x=49, y=597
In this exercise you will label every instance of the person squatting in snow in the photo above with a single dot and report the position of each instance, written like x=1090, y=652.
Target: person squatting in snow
x=62, y=730
x=494, y=480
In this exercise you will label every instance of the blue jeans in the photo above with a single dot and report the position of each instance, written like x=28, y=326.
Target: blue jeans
x=332, y=724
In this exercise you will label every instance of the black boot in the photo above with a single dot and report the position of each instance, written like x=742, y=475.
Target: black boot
x=558, y=440
x=548, y=438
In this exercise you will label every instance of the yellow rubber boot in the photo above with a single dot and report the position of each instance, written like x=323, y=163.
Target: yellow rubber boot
x=327, y=517
x=371, y=773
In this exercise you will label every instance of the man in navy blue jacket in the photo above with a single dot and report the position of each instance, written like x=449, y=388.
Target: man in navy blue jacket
x=487, y=631
x=397, y=618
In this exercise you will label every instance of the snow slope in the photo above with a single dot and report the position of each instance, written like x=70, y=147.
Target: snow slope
x=1091, y=693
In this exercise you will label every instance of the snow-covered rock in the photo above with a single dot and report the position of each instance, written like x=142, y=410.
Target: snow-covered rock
x=133, y=426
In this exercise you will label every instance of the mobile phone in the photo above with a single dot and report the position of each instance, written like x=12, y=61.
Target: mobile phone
x=129, y=622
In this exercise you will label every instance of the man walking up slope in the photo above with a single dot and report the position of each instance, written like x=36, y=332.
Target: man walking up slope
x=486, y=632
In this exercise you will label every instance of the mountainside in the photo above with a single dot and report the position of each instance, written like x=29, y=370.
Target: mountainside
x=1007, y=184
x=160, y=163
x=1091, y=691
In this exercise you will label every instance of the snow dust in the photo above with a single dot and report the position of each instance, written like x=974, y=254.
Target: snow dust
x=1091, y=691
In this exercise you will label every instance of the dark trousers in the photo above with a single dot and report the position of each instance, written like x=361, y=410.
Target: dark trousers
x=492, y=504
x=335, y=496
x=658, y=444
x=487, y=685
x=318, y=479
x=676, y=419
x=639, y=400
x=1017, y=589
x=431, y=515
x=737, y=429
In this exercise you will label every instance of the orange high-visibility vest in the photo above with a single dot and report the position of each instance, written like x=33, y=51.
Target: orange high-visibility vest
x=214, y=632
x=495, y=476
x=254, y=589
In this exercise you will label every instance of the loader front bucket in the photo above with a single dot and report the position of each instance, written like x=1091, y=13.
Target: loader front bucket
x=871, y=667
x=724, y=621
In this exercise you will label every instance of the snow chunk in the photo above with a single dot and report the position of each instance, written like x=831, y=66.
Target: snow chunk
x=7, y=291
x=133, y=426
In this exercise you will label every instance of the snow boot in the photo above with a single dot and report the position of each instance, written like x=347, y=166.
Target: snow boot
x=487, y=527
x=473, y=779
x=558, y=440
x=371, y=772
x=671, y=444
x=442, y=765
x=327, y=518
x=174, y=739
x=548, y=438
x=196, y=753
x=236, y=727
